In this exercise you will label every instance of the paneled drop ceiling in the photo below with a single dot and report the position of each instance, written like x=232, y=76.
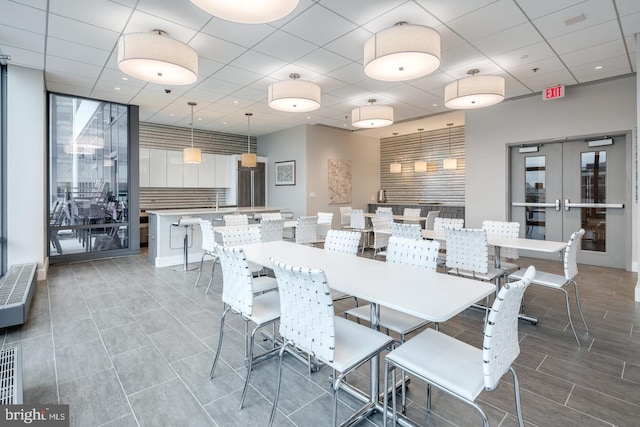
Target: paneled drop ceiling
x=531, y=43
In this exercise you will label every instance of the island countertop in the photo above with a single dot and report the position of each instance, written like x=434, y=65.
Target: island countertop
x=209, y=211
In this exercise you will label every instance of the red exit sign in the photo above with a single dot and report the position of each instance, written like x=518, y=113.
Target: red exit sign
x=553, y=92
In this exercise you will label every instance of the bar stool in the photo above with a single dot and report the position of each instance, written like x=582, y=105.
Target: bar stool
x=186, y=222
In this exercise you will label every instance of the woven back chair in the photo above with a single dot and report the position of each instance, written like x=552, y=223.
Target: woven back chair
x=410, y=231
x=467, y=249
x=238, y=296
x=411, y=212
x=235, y=236
x=271, y=229
x=341, y=241
x=307, y=230
x=236, y=219
x=439, y=223
x=380, y=240
x=208, y=248
x=325, y=220
x=345, y=216
x=269, y=216
x=431, y=218
x=503, y=229
x=416, y=253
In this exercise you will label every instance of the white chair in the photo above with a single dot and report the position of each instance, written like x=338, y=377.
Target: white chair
x=235, y=220
x=411, y=212
x=186, y=223
x=459, y=369
x=308, y=322
x=503, y=229
x=416, y=253
x=235, y=236
x=208, y=248
x=271, y=229
x=345, y=216
x=431, y=218
x=384, y=209
x=325, y=219
x=238, y=296
x=307, y=230
x=380, y=239
x=358, y=223
x=439, y=224
x=343, y=242
x=268, y=216
x=410, y=231
x=385, y=213
x=558, y=281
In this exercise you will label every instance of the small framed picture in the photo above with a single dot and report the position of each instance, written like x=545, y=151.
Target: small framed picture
x=286, y=173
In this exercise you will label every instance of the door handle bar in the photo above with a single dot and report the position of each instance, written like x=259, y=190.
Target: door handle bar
x=568, y=205
x=555, y=205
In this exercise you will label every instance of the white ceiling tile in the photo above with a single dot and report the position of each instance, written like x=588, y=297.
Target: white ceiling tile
x=23, y=17
x=595, y=12
x=38, y=4
x=23, y=57
x=505, y=41
x=236, y=75
x=610, y=66
x=77, y=52
x=70, y=79
x=351, y=73
x=284, y=46
x=183, y=13
x=252, y=94
x=538, y=82
x=203, y=97
x=73, y=67
x=630, y=42
x=490, y=19
x=318, y=25
x=451, y=9
x=322, y=61
x=293, y=68
x=122, y=91
x=350, y=45
x=408, y=12
x=540, y=68
x=16, y=37
x=68, y=89
x=514, y=88
x=207, y=67
x=361, y=11
x=142, y=22
x=245, y=35
x=432, y=81
x=485, y=66
x=594, y=53
x=328, y=84
x=524, y=55
x=448, y=39
x=631, y=23
x=460, y=56
x=216, y=49
x=258, y=62
x=536, y=8
x=627, y=7
x=101, y=13
x=111, y=96
x=70, y=29
x=598, y=34
x=218, y=86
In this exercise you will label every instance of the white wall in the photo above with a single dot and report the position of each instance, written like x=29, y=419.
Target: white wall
x=26, y=168
x=289, y=144
x=599, y=108
x=311, y=147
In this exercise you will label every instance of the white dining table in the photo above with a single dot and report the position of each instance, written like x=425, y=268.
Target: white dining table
x=399, y=217
x=426, y=294
x=221, y=228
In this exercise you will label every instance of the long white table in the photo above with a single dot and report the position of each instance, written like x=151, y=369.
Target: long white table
x=429, y=295
x=221, y=228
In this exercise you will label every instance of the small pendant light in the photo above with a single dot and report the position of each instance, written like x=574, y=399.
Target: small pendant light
x=191, y=155
x=248, y=159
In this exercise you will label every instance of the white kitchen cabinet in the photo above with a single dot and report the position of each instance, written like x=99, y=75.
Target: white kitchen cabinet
x=157, y=168
x=207, y=171
x=223, y=171
x=190, y=172
x=144, y=167
x=174, y=168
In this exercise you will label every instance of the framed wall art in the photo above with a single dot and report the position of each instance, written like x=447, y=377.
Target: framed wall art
x=286, y=172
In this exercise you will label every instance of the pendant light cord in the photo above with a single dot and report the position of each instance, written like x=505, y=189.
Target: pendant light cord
x=248, y=131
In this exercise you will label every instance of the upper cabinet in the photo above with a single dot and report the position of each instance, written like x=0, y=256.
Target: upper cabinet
x=165, y=168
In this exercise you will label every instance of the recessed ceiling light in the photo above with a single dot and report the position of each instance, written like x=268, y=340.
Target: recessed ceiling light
x=308, y=117
x=235, y=102
x=125, y=78
x=599, y=67
x=117, y=88
x=224, y=123
x=172, y=114
x=434, y=105
x=575, y=19
x=200, y=118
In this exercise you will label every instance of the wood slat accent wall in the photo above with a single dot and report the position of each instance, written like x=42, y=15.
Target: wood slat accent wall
x=176, y=138
x=435, y=185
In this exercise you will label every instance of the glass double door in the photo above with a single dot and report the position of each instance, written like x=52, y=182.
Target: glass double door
x=563, y=187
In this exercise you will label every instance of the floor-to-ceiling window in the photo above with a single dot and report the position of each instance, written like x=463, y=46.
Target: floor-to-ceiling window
x=89, y=188
x=3, y=181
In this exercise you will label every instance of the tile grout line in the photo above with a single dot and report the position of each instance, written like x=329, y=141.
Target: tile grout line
x=53, y=342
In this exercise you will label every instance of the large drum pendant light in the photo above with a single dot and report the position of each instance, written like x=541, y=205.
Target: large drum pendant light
x=294, y=95
x=157, y=58
x=372, y=116
x=247, y=11
x=402, y=52
x=190, y=154
x=474, y=92
x=248, y=159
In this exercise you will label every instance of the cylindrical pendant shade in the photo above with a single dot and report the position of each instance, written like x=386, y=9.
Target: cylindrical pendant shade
x=372, y=116
x=474, y=92
x=420, y=166
x=395, y=167
x=247, y=11
x=191, y=155
x=449, y=164
x=157, y=58
x=294, y=95
x=402, y=52
x=248, y=160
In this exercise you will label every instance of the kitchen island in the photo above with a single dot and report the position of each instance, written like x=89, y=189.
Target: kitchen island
x=166, y=240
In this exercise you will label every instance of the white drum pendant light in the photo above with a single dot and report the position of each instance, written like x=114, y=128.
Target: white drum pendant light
x=474, y=92
x=157, y=58
x=247, y=11
x=372, y=116
x=294, y=95
x=248, y=159
x=402, y=52
x=191, y=155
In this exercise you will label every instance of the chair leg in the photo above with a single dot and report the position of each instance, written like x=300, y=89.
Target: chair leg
x=275, y=398
x=215, y=360
x=566, y=297
x=213, y=270
x=575, y=285
x=200, y=271
x=516, y=391
x=385, y=399
x=404, y=383
x=393, y=396
x=249, y=368
x=336, y=384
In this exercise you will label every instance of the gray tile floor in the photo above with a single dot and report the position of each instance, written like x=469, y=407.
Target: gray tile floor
x=127, y=344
